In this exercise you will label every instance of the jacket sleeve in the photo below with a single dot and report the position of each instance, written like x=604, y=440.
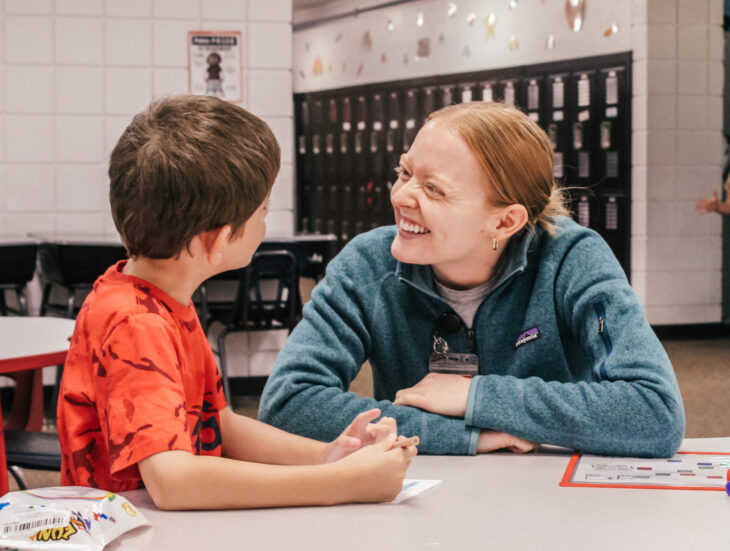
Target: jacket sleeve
x=626, y=400
x=307, y=392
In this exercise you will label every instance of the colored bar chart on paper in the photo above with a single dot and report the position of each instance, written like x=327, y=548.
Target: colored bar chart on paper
x=684, y=471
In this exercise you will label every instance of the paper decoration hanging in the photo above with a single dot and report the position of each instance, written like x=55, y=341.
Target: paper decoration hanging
x=359, y=69
x=471, y=18
x=424, y=48
x=466, y=52
x=550, y=42
x=317, y=68
x=390, y=25
x=489, y=22
x=383, y=59
x=329, y=67
x=419, y=19
x=302, y=74
x=575, y=13
x=344, y=67
x=452, y=9
x=405, y=59
x=306, y=46
x=513, y=4
x=442, y=38
x=613, y=29
x=512, y=45
x=366, y=43
x=338, y=37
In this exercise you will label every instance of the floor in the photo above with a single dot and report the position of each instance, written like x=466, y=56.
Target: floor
x=702, y=368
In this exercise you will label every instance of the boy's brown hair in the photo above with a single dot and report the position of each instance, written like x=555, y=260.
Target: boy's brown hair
x=186, y=165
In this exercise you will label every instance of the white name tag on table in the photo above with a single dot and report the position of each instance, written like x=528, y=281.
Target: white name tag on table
x=412, y=487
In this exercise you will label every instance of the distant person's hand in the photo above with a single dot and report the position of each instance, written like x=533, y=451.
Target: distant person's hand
x=361, y=432
x=705, y=206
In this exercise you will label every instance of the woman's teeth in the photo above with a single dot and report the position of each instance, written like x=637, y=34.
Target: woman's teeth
x=413, y=228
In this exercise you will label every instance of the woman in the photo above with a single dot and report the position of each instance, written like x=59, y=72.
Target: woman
x=483, y=275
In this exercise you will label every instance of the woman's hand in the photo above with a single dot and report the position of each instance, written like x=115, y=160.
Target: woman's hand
x=491, y=440
x=707, y=205
x=361, y=432
x=437, y=393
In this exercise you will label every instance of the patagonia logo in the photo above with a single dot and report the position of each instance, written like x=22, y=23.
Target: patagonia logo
x=527, y=336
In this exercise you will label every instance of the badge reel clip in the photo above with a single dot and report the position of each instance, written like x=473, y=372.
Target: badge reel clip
x=452, y=363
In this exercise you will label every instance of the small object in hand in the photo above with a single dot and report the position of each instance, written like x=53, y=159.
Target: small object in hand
x=412, y=441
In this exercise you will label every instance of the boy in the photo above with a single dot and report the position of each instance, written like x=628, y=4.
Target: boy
x=141, y=402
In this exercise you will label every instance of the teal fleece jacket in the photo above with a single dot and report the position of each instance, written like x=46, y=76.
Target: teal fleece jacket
x=566, y=356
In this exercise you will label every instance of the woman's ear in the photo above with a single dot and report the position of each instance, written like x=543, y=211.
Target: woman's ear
x=511, y=220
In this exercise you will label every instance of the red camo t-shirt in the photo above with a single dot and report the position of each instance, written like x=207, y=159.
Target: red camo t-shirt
x=140, y=378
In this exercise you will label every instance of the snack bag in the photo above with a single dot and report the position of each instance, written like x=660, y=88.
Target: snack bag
x=69, y=517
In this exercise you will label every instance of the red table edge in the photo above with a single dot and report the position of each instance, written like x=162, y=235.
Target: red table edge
x=21, y=364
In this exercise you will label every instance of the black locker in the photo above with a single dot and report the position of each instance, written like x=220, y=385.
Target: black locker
x=303, y=168
x=429, y=102
x=487, y=91
x=557, y=126
x=533, y=98
x=319, y=176
x=411, y=118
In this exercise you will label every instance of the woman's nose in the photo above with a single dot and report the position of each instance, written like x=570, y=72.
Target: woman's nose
x=402, y=195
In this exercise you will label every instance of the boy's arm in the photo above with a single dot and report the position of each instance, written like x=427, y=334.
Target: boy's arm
x=180, y=480
x=247, y=439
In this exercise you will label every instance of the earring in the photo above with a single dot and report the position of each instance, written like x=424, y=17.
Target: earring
x=495, y=246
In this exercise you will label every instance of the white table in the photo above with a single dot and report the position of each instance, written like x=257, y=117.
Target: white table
x=494, y=501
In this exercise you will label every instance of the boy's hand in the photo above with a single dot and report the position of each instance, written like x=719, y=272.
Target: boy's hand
x=361, y=432
x=376, y=473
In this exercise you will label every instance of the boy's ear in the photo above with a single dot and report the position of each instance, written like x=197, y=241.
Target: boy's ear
x=214, y=242
x=511, y=220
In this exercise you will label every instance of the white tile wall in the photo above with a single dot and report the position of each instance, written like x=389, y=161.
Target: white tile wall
x=176, y=9
x=79, y=41
x=24, y=6
x=28, y=40
x=29, y=89
x=224, y=9
x=128, y=8
x=166, y=82
x=128, y=91
x=79, y=138
x=29, y=138
x=128, y=42
x=79, y=7
x=270, y=10
x=80, y=187
x=270, y=45
x=270, y=93
x=169, y=43
x=79, y=90
x=29, y=187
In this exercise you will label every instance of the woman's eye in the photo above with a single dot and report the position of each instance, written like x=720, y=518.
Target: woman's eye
x=432, y=189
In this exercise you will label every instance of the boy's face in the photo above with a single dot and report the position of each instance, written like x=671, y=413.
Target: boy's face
x=241, y=249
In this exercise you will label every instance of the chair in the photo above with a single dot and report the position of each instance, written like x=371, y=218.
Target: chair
x=17, y=265
x=31, y=450
x=267, y=297
x=74, y=267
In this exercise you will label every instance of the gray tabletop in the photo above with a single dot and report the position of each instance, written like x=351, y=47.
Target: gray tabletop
x=493, y=501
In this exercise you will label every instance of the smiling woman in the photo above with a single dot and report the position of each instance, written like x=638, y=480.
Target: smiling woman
x=483, y=276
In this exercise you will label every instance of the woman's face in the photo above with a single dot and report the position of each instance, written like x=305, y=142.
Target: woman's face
x=441, y=208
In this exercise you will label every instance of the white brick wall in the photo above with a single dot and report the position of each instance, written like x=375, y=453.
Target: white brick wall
x=73, y=72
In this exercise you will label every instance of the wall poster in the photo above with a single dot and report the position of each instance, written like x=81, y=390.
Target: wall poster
x=214, y=64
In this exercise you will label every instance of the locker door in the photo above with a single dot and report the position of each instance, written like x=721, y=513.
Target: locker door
x=393, y=142
x=318, y=162
x=534, y=98
x=304, y=165
x=487, y=91
x=362, y=173
x=411, y=119
x=468, y=92
x=332, y=199
x=346, y=170
x=428, y=102
x=584, y=128
x=557, y=127
x=376, y=183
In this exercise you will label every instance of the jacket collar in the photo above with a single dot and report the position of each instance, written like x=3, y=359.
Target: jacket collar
x=420, y=277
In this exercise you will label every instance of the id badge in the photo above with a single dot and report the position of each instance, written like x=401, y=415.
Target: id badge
x=451, y=363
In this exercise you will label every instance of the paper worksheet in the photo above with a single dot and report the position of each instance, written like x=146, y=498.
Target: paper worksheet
x=412, y=487
x=685, y=470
